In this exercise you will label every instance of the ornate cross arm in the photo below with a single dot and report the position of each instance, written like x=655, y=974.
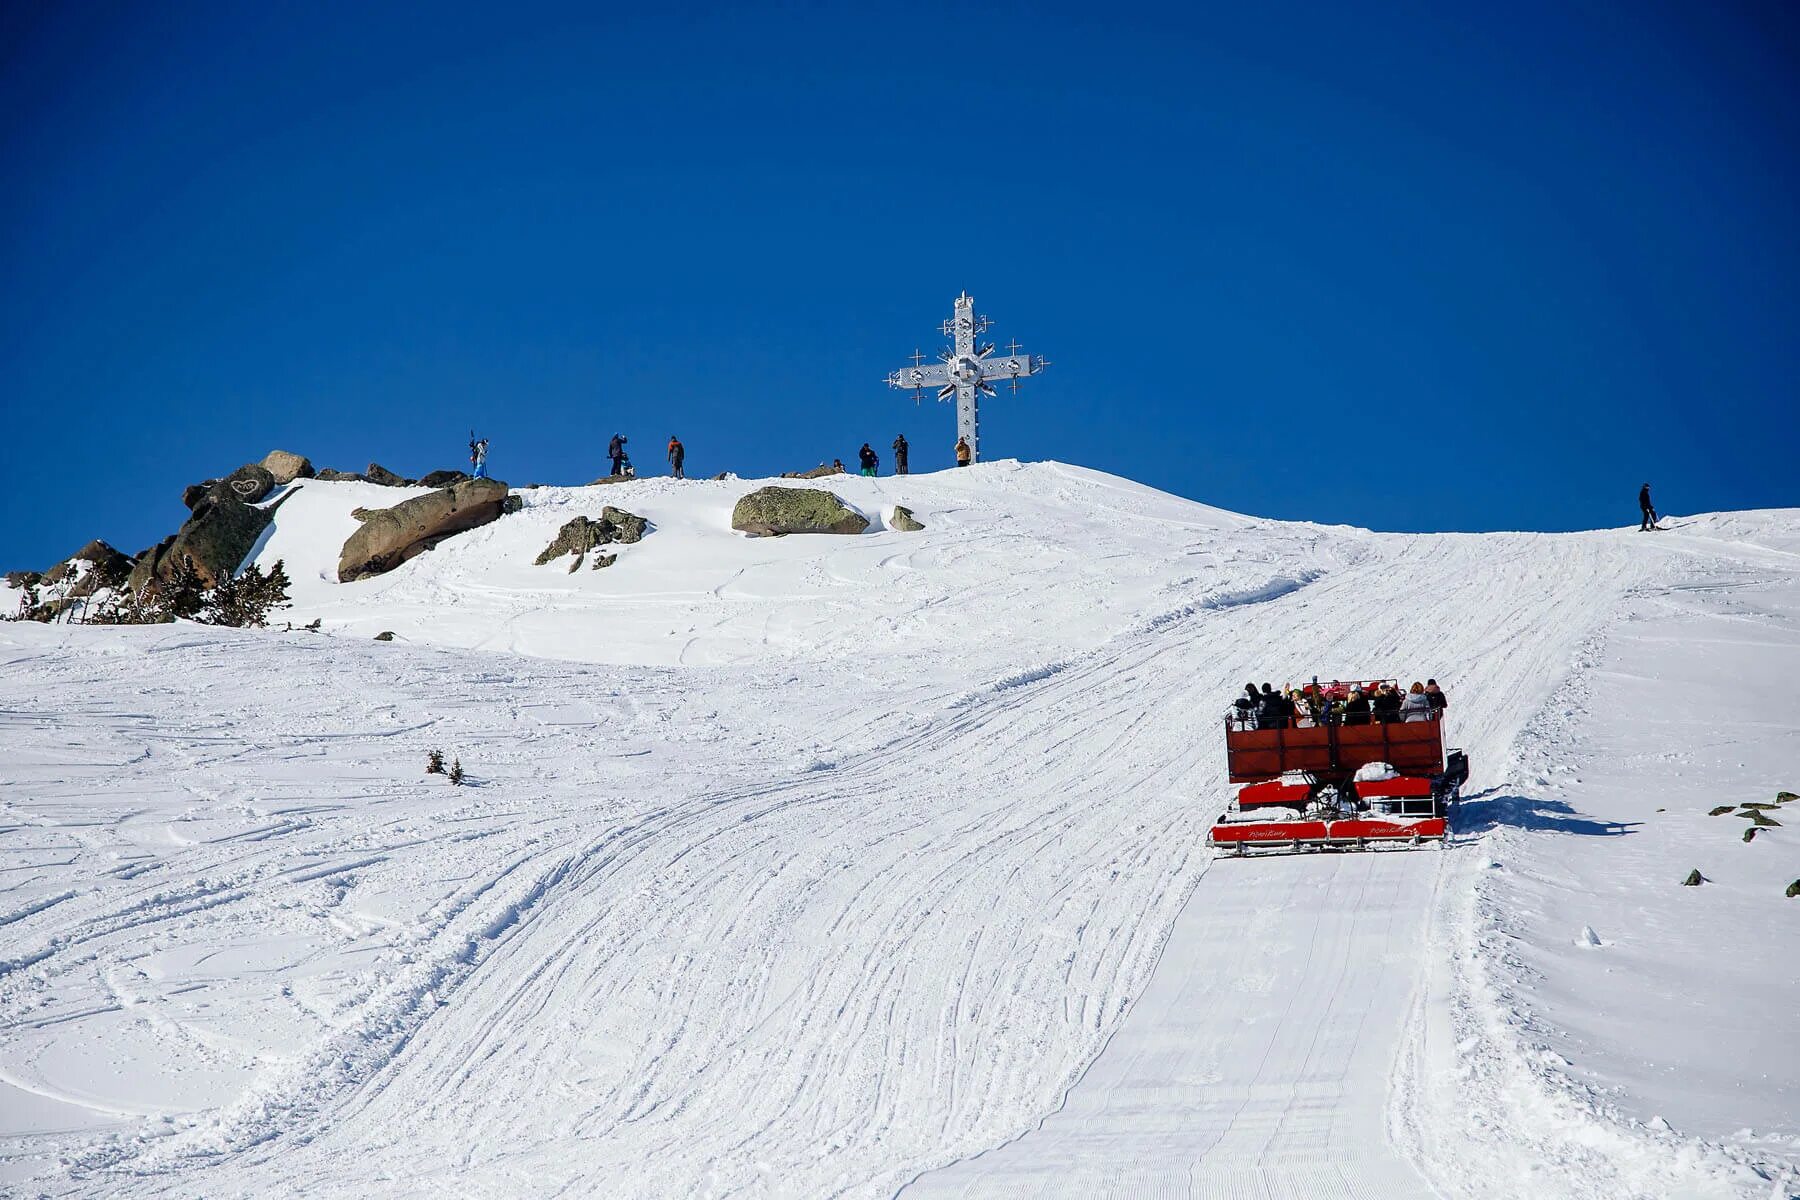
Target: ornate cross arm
x=1012, y=366
x=934, y=376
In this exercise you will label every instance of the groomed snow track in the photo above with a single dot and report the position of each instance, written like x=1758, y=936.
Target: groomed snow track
x=839, y=936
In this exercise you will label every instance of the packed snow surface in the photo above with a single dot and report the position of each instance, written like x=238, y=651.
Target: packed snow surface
x=876, y=865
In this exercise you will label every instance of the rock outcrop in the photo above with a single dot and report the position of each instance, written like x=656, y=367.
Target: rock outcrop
x=92, y=568
x=442, y=479
x=776, y=511
x=818, y=472
x=390, y=536
x=286, y=467
x=377, y=473
x=332, y=475
x=218, y=535
x=904, y=520
x=582, y=534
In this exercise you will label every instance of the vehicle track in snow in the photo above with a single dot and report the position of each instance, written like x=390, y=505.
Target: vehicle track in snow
x=745, y=992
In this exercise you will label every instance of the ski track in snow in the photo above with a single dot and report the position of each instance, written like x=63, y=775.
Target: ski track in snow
x=906, y=892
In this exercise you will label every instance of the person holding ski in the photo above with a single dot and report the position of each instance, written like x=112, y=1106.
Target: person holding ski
x=900, y=449
x=964, y=455
x=478, y=448
x=1647, y=508
x=615, y=450
x=677, y=455
x=870, y=463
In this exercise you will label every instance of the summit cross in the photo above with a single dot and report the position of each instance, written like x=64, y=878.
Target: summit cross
x=967, y=371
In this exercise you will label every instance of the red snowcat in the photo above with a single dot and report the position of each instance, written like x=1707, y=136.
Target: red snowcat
x=1322, y=784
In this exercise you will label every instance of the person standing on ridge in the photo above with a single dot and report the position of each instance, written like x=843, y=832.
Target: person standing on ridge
x=866, y=456
x=615, y=450
x=964, y=455
x=478, y=455
x=900, y=449
x=677, y=455
x=1647, y=508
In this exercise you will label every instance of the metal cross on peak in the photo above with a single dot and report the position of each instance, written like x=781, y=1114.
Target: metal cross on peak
x=966, y=371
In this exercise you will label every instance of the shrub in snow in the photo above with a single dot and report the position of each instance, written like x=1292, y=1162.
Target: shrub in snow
x=434, y=763
x=456, y=772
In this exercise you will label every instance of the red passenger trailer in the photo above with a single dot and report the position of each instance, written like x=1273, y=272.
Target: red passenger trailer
x=1322, y=784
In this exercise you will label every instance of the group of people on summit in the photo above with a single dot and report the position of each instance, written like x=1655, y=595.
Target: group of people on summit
x=1337, y=703
x=867, y=460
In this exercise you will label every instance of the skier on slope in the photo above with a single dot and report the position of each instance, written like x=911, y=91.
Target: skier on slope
x=900, y=449
x=677, y=456
x=866, y=456
x=478, y=448
x=615, y=450
x=1647, y=508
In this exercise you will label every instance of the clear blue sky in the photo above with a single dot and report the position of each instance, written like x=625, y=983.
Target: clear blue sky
x=1417, y=267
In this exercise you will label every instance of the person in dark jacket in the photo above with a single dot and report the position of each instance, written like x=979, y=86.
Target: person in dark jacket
x=1435, y=694
x=1356, y=708
x=1273, y=709
x=615, y=450
x=1386, y=704
x=900, y=449
x=1248, y=704
x=677, y=456
x=1647, y=508
x=866, y=456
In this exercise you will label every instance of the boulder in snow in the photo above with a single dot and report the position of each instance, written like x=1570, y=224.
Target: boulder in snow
x=1694, y=878
x=904, y=521
x=390, y=536
x=443, y=479
x=286, y=467
x=774, y=511
x=333, y=475
x=386, y=478
x=582, y=534
x=1793, y=889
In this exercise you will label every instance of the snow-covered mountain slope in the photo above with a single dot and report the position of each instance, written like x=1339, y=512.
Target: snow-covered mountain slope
x=841, y=866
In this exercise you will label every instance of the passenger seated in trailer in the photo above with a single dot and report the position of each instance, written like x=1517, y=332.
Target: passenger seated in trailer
x=1386, y=704
x=1439, y=702
x=1246, y=706
x=1356, y=708
x=1417, y=705
x=1272, y=710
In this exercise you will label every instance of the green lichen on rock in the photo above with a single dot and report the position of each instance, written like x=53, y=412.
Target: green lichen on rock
x=775, y=511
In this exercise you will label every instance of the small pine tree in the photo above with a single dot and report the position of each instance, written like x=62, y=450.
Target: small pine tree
x=434, y=763
x=182, y=594
x=456, y=771
x=245, y=600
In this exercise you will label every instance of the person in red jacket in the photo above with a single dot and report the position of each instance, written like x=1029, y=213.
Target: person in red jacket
x=677, y=454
